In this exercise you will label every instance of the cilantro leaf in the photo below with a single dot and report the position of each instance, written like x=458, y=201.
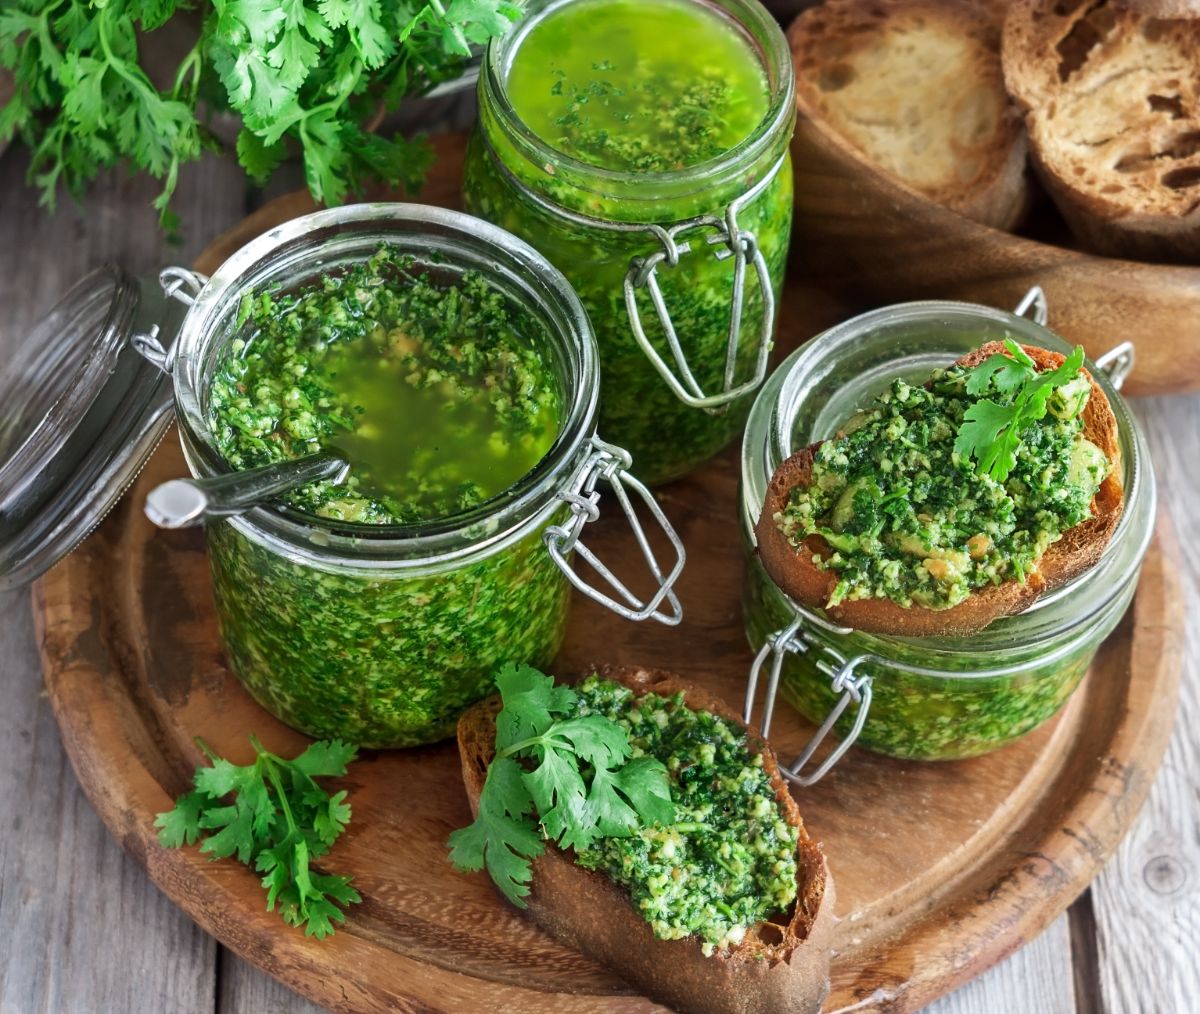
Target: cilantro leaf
x=181, y=825
x=991, y=431
x=502, y=838
x=572, y=771
x=273, y=816
x=531, y=701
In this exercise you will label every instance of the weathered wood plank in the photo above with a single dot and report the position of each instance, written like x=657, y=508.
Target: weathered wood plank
x=1036, y=978
x=243, y=989
x=85, y=929
x=1147, y=901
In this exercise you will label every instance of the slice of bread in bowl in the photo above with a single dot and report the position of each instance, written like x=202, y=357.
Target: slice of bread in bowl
x=916, y=86
x=1112, y=105
x=780, y=966
x=1078, y=549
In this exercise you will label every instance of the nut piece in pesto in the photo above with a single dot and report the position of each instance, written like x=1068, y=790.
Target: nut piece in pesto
x=946, y=504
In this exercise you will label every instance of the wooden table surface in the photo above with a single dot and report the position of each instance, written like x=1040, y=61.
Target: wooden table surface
x=82, y=928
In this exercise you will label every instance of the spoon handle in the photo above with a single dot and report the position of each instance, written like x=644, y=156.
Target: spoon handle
x=184, y=503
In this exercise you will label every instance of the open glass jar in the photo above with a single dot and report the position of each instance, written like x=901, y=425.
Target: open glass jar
x=922, y=698
x=382, y=634
x=679, y=269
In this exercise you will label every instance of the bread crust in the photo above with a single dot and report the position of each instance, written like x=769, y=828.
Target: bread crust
x=828, y=39
x=1079, y=548
x=1164, y=8
x=778, y=967
x=1112, y=106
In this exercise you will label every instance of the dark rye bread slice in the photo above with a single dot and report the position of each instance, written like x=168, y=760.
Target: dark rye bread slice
x=1076, y=551
x=782, y=968
x=916, y=86
x=1112, y=104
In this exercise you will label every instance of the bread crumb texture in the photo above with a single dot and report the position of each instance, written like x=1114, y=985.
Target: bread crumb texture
x=916, y=86
x=1112, y=102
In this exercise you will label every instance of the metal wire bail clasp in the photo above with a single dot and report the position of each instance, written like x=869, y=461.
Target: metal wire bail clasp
x=732, y=241
x=845, y=680
x=178, y=284
x=611, y=464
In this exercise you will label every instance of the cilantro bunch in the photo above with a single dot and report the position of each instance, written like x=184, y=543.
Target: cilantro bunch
x=301, y=74
x=272, y=814
x=557, y=778
x=991, y=430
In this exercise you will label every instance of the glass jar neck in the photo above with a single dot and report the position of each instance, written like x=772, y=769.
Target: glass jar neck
x=449, y=243
x=639, y=196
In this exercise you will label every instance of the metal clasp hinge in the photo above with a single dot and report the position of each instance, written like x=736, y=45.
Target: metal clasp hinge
x=1117, y=362
x=742, y=246
x=178, y=284
x=611, y=464
x=845, y=680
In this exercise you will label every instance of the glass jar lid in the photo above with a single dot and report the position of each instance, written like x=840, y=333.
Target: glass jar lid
x=83, y=411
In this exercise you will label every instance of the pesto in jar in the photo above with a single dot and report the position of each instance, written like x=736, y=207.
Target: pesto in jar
x=908, y=518
x=439, y=390
x=434, y=394
x=649, y=92
x=728, y=861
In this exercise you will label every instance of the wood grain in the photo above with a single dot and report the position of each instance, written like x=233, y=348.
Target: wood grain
x=917, y=920
x=1154, y=881
x=874, y=240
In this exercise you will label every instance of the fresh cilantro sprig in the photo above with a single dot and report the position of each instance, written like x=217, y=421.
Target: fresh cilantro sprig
x=566, y=780
x=274, y=816
x=308, y=75
x=991, y=430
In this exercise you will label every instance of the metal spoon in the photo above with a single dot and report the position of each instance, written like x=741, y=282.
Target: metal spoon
x=184, y=503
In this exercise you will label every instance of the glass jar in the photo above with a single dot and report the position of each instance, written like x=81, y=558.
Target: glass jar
x=924, y=698
x=679, y=270
x=378, y=634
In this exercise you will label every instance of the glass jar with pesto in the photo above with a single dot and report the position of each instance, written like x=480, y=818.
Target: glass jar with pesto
x=643, y=148
x=927, y=698
x=455, y=371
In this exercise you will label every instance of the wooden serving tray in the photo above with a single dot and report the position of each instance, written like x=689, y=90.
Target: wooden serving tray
x=941, y=869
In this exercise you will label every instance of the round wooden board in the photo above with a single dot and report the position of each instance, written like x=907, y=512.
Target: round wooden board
x=942, y=869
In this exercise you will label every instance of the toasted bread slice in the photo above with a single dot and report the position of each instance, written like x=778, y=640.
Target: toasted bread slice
x=916, y=85
x=1164, y=8
x=1112, y=105
x=1076, y=551
x=778, y=967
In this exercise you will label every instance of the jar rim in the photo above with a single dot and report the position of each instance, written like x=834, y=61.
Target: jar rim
x=770, y=45
x=514, y=266
x=769, y=440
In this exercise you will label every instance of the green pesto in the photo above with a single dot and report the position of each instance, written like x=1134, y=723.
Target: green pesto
x=909, y=519
x=436, y=394
x=729, y=859
x=915, y=716
x=626, y=85
x=381, y=661
x=716, y=80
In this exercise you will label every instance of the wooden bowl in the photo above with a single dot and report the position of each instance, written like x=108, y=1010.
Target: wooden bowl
x=873, y=240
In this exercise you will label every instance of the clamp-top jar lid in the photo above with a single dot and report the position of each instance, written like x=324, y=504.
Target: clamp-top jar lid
x=924, y=698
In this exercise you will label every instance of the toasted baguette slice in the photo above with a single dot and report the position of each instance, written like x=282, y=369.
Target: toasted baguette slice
x=1112, y=105
x=916, y=85
x=1079, y=548
x=782, y=968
